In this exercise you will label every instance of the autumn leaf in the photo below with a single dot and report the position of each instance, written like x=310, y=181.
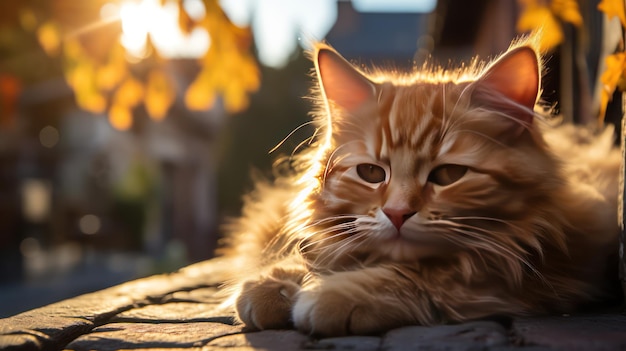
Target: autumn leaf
x=615, y=70
x=567, y=10
x=547, y=16
x=540, y=17
x=159, y=94
x=28, y=20
x=110, y=74
x=613, y=8
x=235, y=98
x=201, y=94
x=129, y=93
x=49, y=38
x=91, y=100
x=120, y=117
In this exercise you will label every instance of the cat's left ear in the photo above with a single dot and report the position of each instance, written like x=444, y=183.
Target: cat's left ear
x=511, y=84
x=341, y=82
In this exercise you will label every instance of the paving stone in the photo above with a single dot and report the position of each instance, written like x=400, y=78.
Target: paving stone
x=284, y=340
x=50, y=327
x=460, y=337
x=21, y=341
x=360, y=343
x=203, y=295
x=177, y=312
x=588, y=332
x=55, y=325
x=116, y=336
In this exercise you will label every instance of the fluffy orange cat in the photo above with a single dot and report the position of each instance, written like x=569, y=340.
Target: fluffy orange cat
x=431, y=197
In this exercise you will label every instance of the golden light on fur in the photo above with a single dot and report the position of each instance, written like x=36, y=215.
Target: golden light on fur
x=428, y=197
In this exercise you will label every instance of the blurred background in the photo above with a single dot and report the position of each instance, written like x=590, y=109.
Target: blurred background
x=129, y=128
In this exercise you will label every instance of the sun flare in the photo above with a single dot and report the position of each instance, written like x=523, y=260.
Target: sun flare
x=149, y=18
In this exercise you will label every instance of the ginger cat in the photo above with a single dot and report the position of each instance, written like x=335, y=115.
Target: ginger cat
x=429, y=197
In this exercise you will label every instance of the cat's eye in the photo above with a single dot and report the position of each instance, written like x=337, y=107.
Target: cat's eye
x=371, y=173
x=447, y=174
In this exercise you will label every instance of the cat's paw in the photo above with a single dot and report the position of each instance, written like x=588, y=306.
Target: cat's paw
x=266, y=303
x=327, y=312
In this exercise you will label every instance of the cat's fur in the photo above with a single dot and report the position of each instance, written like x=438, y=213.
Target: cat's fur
x=430, y=197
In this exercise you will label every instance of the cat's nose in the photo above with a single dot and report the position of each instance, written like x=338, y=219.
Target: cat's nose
x=398, y=216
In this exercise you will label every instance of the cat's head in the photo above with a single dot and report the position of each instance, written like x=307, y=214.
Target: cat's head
x=428, y=164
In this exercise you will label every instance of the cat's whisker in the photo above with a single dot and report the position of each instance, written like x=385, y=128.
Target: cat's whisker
x=336, y=218
x=325, y=237
x=492, y=246
x=482, y=235
x=290, y=135
x=301, y=145
x=459, y=99
x=340, y=229
x=487, y=219
x=340, y=246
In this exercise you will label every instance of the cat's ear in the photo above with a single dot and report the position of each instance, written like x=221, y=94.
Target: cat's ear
x=511, y=84
x=340, y=82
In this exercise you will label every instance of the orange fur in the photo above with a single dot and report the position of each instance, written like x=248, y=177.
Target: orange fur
x=429, y=198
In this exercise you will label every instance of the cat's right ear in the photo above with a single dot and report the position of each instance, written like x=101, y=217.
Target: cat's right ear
x=340, y=82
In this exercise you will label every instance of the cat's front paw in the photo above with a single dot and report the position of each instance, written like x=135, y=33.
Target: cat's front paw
x=327, y=312
x=266, y=303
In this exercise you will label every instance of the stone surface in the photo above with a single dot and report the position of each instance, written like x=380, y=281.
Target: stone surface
x=265, y=340
x=361, y=343
x=586, y=332
x=115, y=336
x=460, y=337
x=183, y=311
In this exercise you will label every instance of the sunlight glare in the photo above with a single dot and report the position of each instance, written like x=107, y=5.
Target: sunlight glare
x=195, y=9
x=109, y=11
x=148, y=17
x=135, y=27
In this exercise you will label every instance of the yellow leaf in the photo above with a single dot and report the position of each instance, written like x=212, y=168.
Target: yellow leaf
x=568, y=11
x=90, y=100
x=537, y=17
x=28, y=20
x=49, y=38
x=159, y=94
x=129, y=93
x=235, y=98
x=200, y=95
x=73, y=50
x=80, y=77
x=120, y=117
x=111, y=73
x=250, y=75
x=614, y=8
x=615, y=68
x=108, y=76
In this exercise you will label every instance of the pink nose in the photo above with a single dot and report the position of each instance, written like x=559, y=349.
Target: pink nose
x=398, y=216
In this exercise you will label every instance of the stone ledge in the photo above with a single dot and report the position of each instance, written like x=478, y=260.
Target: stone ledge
x=180, y=311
